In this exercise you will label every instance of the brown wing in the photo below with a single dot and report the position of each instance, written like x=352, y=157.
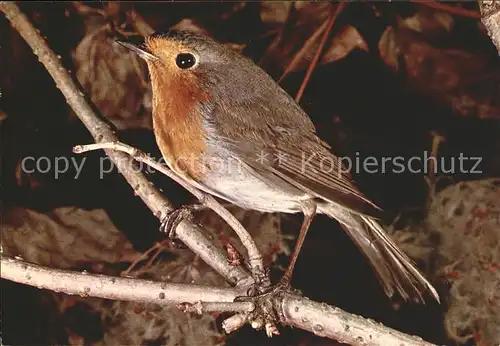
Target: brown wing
x=287, y=148
x=328, y=181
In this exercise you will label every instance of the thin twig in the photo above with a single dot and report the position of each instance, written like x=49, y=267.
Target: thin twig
x=431, y=174
x=187, y=232
x=154, y=257
x=109, y=287
x=141, y=257
x=447, y=8
x=255, y=258
x=303, y=51
x=234, y=322
x=315, y=60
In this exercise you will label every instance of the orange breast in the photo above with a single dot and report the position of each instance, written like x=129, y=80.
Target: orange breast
x=178, y=125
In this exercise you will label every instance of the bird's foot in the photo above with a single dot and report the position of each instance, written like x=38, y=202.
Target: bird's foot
x=256, y=292
x=265, y=315
x=170, y=221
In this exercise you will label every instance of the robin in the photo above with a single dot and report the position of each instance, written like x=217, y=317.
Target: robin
x=230, y=130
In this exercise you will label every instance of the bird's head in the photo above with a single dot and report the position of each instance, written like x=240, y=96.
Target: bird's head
x=196, y=65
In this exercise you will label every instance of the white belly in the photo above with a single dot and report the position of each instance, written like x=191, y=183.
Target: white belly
x=238, y=184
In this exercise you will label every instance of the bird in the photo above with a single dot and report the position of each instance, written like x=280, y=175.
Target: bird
x=228, y=129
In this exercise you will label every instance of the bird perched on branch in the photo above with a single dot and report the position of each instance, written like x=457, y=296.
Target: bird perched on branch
x=230, y=130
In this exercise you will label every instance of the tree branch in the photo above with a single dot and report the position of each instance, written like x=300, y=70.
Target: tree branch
x=334, y=323
x=109, y=287
x=255, y=258
x=187, y=232
x=490, y=13
x=292, y=310
x=448, y=8
x=200, y=307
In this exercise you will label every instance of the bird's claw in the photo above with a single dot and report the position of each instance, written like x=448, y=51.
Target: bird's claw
x=170, y=221
x=265, y=314
x=259, y=293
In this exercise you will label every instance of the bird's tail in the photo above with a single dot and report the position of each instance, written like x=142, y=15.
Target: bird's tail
x=394, y=269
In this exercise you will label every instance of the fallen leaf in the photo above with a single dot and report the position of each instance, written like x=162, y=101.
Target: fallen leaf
x=65, y=238
x=114, y=78
x=346, y=40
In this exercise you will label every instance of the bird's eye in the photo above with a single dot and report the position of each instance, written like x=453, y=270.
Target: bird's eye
x=185, y=60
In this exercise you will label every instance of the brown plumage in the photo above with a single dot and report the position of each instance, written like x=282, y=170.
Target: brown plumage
x=248, y=142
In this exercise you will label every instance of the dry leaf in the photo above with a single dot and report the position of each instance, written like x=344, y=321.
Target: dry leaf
x=293, y=50
x=430, y=22
x=389, y=49
x=190, y=25
x=466, y=81
x=114, y=78
x=275, y=12
x=345, y=41
x=65, y=238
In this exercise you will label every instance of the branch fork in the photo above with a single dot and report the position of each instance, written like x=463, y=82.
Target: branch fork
x=255, y=257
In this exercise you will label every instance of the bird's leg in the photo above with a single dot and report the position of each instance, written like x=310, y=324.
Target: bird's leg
x=170, y=221
x=309, y=209
x=263, y=300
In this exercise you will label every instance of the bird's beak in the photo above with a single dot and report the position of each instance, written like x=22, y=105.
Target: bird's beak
x=139, y=51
